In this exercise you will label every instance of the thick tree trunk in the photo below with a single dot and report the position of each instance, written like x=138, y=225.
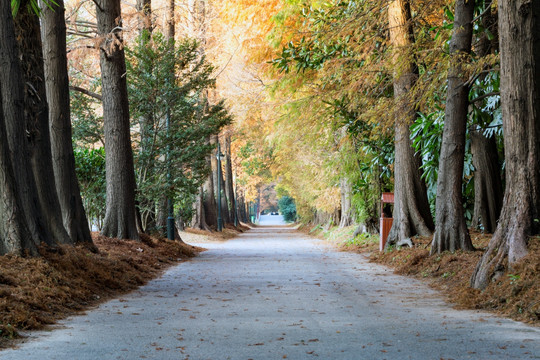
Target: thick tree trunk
x=229, y=182
x=519, y=30
x=57, y=86
x=488, y=189
x=346, y=207
x=412, y=215
x=451, y=231
x=12, y=91
x=14, y=233
x=36, y=115
x=120, y=175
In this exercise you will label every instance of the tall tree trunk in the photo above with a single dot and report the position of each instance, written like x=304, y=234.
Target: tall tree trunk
x=224, y=198
x=346, y=207
x=451, y=231
x=488, y=189
x=27, y=29
x=209, y=202
x=12, y=91
x=229, y=182
x=120, y=174
x=14, y=233
x=412, y=214
x=57, y=86
x=519, y=31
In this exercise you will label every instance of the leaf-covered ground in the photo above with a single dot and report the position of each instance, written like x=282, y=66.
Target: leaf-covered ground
x=515, y=295
x=38, y=291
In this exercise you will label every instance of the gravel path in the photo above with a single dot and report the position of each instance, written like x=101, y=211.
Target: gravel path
x=273, y=293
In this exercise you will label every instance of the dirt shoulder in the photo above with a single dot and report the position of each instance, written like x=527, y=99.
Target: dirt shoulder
x=514, y=295
x=35, y=292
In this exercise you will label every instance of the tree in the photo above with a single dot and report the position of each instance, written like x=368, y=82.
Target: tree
x=19, y=192
x=14, y=233
x=170, y=143
x=57, y=87
x=411, y=209
x=519, y=31
x=120, y=221
x=36, y=119
x=488, y=186
x=450, y=226
x=229, y=180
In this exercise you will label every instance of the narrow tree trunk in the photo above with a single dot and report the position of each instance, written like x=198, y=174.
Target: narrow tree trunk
x=12, y=91
x=346, y=208
x=229, y=182
x=144, y=7
x=224, y=199
x=57, y=86
x=209, y=195
x=199, y=221
x=451, y=231
x=519, y=31
x=120, y=174
x=170, y=26
x=161, y=216
x=488, y=190
x=412, y=214
x=36, y=115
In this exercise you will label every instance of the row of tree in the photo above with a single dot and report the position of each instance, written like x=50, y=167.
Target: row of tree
x=453, y=83
x=150, y=108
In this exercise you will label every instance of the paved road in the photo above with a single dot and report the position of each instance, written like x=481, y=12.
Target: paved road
x=272, y=293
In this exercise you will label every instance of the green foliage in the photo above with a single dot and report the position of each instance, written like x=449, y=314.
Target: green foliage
x=90, y=168
x=33, y=5
x=172, y=118
x=87, y=125
x=287, y=208
x=362, y=240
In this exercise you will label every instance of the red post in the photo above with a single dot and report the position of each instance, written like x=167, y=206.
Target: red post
x=385, y=222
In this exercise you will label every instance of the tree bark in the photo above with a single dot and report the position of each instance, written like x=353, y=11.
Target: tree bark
x=120, y=175
x=36, y=117
x=209, y=202
x=488, y=189
x=451, y=231
x=170, y=30
x=229, y=182
x=199, y=221
x=346, y=207
x=519, y=31
x=14, y=233
x=144, y=7
x=412, y=215
x=224, y=199
x=12, y=91
x=57, y=86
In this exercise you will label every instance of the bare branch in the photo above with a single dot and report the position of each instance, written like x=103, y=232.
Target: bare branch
x=86, y=92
